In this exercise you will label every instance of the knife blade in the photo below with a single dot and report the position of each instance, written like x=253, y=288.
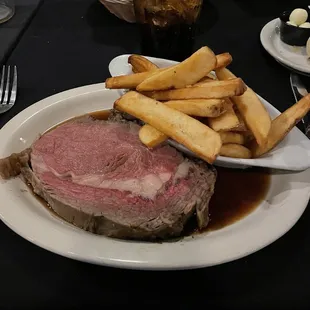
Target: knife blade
x=299, y=91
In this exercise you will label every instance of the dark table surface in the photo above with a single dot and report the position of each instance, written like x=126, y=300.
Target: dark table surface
x=13, y=29
x=69, y=43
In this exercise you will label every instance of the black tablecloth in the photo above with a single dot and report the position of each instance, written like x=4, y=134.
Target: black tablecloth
x=70, y=43
x=13, y=29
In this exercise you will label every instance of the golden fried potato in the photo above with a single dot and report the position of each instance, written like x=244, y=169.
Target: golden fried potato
x=141, y=64
x=282, y=125
x=232, y=137
x=223, y=60
x=184, y=129
x=199, y=107
x=207, y=90
x=205, y=79
x=226, y=122
x=144, y=69
x=126, y=81
x=252, y=110
x=242, y=126
x=185, y=73
x=150, y=136
x=235, y=151
x=130, y=81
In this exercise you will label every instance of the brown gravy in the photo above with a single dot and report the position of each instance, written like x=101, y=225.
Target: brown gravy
x=237, y=192
x=103, y=115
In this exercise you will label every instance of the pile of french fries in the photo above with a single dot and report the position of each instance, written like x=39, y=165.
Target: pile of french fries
x=202, y=105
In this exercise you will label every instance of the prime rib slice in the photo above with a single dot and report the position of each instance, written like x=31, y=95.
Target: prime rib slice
x=98, y=176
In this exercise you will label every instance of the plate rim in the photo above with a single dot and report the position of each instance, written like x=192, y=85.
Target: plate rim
x=265, y=38
x=129, y=264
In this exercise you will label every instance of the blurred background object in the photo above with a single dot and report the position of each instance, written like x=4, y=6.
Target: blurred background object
x=168, y=27
x=7, y=10
x=123, y=9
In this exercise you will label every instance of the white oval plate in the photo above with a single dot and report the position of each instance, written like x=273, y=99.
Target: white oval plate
x=291, y=56
x=293, y=153
x=285, y=202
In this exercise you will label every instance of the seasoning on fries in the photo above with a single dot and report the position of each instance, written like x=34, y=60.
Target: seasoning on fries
x=208, y=90
x=199, y=107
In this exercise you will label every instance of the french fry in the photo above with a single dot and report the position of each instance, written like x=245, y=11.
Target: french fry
x=247, y=135
x=184, y=129
x=185, y=73
x=231, y=120
x=235, y=151
x=207, y=90
x=226, y=122
x=199, y=107
x=232, y=137
x=282, y=125
x=252, y=110
x=143, y=69
x=223, y=60
x=130, y=81
x=209, y=78
x=150, y=136
x=205, y=79
x=242, y=126
x=142, y=64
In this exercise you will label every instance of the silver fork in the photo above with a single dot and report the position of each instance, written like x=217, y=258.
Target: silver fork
x=8, y=92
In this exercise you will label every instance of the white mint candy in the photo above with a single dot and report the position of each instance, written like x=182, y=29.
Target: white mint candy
x=291, y=24
x=308, y=47
x=305, y=25
x=299, y=16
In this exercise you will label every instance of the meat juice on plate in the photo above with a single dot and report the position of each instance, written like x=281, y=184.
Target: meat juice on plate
x=237, y=193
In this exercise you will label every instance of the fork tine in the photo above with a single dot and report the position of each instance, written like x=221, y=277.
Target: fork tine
x=7, y=88
x=14, y=87
x=2, y=83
